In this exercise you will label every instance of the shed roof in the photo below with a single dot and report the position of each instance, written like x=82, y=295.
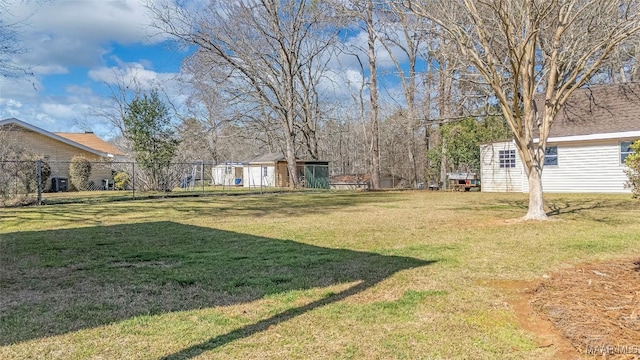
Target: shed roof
x=268, y=158
x=275, y=157
x=599, y=110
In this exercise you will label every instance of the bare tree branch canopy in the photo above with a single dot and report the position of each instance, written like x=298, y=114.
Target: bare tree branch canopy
x=529, y=48
x=364, y=14
x=266, y=49
x=10, y=46
x=404, y=34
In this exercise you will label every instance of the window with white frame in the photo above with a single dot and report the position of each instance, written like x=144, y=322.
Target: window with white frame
x=625, y=150
x=265, y=171
x=551, y=156
x=507, y=158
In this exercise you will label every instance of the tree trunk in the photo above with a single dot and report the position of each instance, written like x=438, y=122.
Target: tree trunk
x=411, y=141
x=412, y=160
x=536, y=201
x=373, y=96
x=443, y=161
x=291, y=163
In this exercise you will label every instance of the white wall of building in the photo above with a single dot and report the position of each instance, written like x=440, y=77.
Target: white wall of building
x=591, y=166
x=496, y=179
x=253, y=175
x=220, y=175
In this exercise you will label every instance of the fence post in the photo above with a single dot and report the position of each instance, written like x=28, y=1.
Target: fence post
x=39, y=176
x=202, y=176
x=133, y=179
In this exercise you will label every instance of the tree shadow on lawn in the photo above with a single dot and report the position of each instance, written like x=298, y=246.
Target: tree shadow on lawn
x=562, y=206
x=58, y=281
x=286, y=204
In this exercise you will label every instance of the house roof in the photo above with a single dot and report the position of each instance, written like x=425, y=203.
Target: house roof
x=92, y=141
x=268, y=158
x=100, y=150
x=599, y=110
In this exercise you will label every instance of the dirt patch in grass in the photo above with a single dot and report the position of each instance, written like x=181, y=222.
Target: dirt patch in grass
x=596, y=306
x=518, y=296
x=592, y=310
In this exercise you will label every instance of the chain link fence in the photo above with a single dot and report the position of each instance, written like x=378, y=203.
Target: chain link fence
x=24, y=182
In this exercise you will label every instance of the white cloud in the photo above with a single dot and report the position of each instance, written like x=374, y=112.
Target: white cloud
x=68, y=111
x=49, y=69
x=358, y=45
x=77, y=90
x=91, y=21
x=20, y=88
x=130, y=74
x=76, y=32
x=62, y=36
x=14, y=103
x=341, y=84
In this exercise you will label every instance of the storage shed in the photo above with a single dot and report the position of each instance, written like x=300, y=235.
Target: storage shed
x=271, y=170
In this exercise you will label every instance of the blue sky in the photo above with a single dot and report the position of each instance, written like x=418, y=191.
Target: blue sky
x=74, y=47
x=78, y=48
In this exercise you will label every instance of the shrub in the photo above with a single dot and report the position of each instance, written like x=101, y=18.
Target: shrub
x=79, y=173
x=633, y=169
x=45, y=173
x=121, y=180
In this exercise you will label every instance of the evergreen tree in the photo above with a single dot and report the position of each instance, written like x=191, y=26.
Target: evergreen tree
x=154, y=142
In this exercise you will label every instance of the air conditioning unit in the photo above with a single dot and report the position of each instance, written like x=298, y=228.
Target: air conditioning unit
x=59, y=184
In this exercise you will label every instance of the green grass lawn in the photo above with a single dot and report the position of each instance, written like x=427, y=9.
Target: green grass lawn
x=307, y=275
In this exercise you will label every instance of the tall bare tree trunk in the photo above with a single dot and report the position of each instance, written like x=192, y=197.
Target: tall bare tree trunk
x=443, y=161
x=402, y=35
x=373, y=93
x=411, y=145
x=444, y=104
x=290, y=155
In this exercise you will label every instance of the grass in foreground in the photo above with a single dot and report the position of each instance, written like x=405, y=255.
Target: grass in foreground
x=333, y=275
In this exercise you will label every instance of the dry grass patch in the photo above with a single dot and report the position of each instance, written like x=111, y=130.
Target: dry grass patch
x=307, y=275
x=596, y=306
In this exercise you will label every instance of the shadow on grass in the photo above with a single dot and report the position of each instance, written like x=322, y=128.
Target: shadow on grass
x=54, y=282
x=559, y=206
x=284, y=204
x=564, y=206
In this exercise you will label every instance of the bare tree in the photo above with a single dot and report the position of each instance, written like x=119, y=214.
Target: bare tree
x=207, y=106
x=523, y=48
x=405, y=34
x=10, y=46
x=262, y=46
x=365, y=15
x=310, y=98
x=623, y=65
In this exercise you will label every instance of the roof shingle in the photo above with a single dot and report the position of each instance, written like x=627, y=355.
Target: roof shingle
x=599, y=110
x=92, y=141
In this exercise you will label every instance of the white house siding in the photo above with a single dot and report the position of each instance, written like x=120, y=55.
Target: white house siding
x=252, y=175
x=583, y=167
x=586, y=167
x=496, y=179
x=226, y=174
x=219, y=175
